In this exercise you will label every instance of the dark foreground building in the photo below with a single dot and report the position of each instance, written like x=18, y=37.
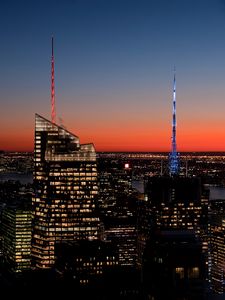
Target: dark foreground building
x=175, y=202
x=174, y=267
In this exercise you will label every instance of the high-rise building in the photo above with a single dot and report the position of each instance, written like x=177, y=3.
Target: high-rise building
x=174, y=266
x=115, y=185
x=144, y=226
x=216, y=233
x=65, y=186
x=175, y=202
x=16, y=227
x=117, y=207
x=86, y=262
x=121, y=232
x=217, y=253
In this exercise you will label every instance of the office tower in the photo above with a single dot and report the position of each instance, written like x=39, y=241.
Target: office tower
x=118, y=208
x=178, y=202
x=122, y=233
x=171, y=203
x=65, y=187
x=85, y=263
x=174, y=156
x=91, y=269
x=174, y=266
x=217, y=253
x=175, y=202
x=115, y=186
x=16, y=224
x=144, y=227
x=216, y=233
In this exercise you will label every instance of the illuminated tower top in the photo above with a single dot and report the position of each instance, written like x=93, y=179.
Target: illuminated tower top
x=53, y=113
x=174, y=156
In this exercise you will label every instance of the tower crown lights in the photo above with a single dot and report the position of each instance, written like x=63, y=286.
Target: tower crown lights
x=174, y=156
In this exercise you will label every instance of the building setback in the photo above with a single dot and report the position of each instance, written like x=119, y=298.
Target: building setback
x=65, y=186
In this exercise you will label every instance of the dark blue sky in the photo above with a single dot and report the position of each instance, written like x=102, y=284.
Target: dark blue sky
x=114, y=65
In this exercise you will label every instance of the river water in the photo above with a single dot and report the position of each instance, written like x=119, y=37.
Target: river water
x=23, y=178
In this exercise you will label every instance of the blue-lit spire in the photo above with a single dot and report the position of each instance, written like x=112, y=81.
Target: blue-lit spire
x=174, y=156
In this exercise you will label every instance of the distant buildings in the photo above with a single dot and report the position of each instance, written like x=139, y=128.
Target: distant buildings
x=65, y=190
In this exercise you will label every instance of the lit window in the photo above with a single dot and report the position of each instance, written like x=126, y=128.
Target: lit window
x=180, y=272
x=193, y=272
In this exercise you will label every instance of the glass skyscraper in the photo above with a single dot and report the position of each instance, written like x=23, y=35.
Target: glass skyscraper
x=65, y=182
x=16, y=228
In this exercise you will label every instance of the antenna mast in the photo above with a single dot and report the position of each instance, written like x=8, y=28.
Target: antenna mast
x=53, y=113
x=174, y=156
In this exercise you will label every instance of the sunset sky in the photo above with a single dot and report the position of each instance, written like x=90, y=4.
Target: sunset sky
x=114, y=62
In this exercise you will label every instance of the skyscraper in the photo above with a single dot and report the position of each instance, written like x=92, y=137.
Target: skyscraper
x=216, y=233
x=65, y=183
x=16, y=227
x=174, y=267
x=217, y=252
x=175, y=202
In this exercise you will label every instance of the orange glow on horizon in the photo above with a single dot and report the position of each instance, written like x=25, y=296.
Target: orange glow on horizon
x=135, y=142
x=126, y=137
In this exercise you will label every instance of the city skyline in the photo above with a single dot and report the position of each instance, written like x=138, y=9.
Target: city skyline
x=114, y=72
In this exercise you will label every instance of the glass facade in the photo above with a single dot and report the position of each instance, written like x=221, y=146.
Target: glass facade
x=65, y=181
x=16, y=227
x=124, y=237
x=217, y=253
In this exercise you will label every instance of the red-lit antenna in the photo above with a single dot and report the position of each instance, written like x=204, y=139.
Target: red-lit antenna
x=53, y=87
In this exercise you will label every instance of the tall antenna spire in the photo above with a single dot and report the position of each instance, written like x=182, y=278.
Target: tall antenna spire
x=174, y=156
x=53, y=114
